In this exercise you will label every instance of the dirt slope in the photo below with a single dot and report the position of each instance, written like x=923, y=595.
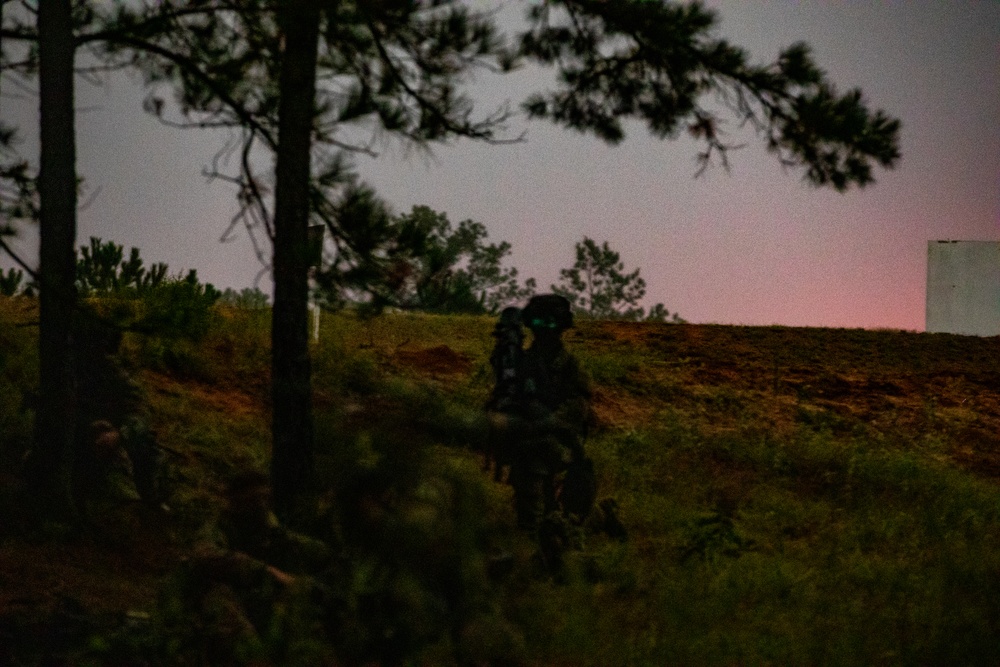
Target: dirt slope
x=715, y=376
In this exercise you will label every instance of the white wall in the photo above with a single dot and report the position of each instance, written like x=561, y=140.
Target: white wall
x=963, y=287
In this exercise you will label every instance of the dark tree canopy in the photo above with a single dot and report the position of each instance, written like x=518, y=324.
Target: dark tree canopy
x=383, y=69
x=661, y=63
x=398, y=68
x=454, y=269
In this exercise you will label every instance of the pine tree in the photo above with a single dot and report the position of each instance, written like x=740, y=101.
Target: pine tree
x=598, y=287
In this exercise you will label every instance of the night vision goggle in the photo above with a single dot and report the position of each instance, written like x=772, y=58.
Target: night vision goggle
x=543, y=323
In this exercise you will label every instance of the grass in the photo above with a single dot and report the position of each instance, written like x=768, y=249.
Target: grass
x=793, y=496
x=18, y=373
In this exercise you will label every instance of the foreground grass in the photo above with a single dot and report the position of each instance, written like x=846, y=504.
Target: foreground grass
x=794, y=496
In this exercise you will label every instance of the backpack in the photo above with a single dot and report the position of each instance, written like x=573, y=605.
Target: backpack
x=507, y=396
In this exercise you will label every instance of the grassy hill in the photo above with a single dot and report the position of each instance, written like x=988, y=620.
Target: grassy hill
x=793, y=496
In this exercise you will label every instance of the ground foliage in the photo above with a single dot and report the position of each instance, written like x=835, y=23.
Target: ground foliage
x=449, y=270
x=797, y=496
x=397, y=67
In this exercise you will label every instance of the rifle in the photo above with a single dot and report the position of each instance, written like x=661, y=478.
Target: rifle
x=506, y=360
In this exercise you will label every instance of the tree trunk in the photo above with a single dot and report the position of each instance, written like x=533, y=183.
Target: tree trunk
x=55, y=418
x=291, y=427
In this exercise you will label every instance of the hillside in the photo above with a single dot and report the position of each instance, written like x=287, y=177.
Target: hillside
x=781, y=379
x=792, y=495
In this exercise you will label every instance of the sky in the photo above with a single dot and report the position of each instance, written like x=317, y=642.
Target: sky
x=755, y=245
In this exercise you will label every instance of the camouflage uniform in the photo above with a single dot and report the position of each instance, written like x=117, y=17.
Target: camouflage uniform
x=247, y=570
x=552, y=427
x=106, y=395
x=545, y=432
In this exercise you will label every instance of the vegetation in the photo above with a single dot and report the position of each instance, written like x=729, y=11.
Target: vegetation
x=791, y=495
x=150, y=300
x=250, y=298
x=396, y=67
x=101, y=268
x=11, y=282
x=18, y=377
x=597, y=286
x=448, y=270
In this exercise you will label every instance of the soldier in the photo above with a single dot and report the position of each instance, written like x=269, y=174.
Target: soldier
x=545, y=431
x=244, y=572
x=109, y=397
x=100, y=463
x=112, y=442
x=249, y=533
x=507, y=360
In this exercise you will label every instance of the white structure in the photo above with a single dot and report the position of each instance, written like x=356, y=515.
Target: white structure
x=316, y=235
x=963, y=287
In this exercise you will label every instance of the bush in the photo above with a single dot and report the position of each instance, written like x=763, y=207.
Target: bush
x=178, y=308
x=102, y=269
x=171, y=312
x=10, y=282
x=18, y=378
x=248, y=298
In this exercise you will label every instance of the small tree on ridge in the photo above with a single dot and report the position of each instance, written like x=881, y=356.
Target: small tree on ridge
x=598, y=287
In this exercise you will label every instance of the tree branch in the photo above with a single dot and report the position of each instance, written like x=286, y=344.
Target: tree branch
x=17, y=258
x=468, y=130
x=190, y=66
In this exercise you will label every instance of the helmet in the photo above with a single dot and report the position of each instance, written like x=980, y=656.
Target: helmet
x=547, y=311
x=510, y=318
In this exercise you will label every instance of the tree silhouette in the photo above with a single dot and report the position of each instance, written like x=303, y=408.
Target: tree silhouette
x=55, y=424
x=450, y=269
x=659, y=62
x=291, y=388
x=397, y=67
x=598, y=287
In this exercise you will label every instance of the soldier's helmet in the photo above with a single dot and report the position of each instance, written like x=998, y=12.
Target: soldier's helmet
x=548, y=311
x=510, y=319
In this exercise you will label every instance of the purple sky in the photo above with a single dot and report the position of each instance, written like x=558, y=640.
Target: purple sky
x=754, y=246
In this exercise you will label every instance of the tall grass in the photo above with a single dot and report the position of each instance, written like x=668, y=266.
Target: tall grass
x=792, y=496
x=18, y=377
x=807, y=536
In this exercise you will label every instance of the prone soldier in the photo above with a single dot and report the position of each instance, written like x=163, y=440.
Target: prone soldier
x=244, y=572
x=112, y=441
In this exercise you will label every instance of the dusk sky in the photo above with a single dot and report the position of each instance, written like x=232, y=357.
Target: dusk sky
x=756, y=245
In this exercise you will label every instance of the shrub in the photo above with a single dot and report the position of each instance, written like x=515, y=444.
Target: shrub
x=248, y=298
x=10, y=282
x=178, y=308
x=18, y=378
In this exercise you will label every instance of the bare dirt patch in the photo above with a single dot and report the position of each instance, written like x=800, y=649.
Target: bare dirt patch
x=115, y=569
x=618, y=409
x=434, y=361
x=923, y=385
x=228, y=400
